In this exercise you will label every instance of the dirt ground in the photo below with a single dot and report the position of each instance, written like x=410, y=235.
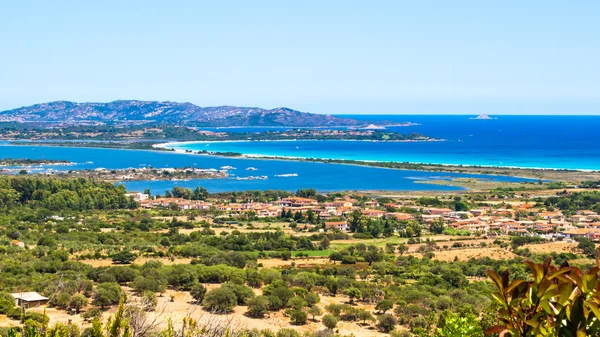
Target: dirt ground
x=140, y=260
x=304, y=262
x=466, y=254
x=556, y=246
x=183, y=306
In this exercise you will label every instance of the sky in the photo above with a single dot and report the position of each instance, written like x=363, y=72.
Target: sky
x=339, y=57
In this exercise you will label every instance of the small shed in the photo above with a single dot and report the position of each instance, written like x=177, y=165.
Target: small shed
x=30, y=299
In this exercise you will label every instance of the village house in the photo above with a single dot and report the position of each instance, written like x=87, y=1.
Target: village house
x=339, y=225
x=478, y=212
x=373, y=213
x=137, y=196
x=400, y=216
x=30, y=299
x=298, y=202
x=437, y=211
x=371, y=204
x=575, y=233
x=552, y=215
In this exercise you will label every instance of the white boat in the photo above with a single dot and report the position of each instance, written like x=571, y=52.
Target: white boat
x=252, y=178
x=251, y=169
x=227, y=168
x=286, y=175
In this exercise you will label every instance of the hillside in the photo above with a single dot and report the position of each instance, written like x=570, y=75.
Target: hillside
x=170, y=112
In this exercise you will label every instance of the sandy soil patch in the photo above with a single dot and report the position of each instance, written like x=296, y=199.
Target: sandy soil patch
x=466, y=254
x=304, y=262
x=549, y=247
x=140, y=260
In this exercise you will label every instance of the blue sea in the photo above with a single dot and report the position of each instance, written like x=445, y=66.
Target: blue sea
x=522, y=141
x=564, y=142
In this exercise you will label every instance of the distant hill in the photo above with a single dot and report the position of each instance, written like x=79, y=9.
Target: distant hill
x=170, y=112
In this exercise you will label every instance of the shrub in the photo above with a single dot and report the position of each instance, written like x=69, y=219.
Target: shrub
x=242, y=293
x=198, y=292
x=258, y=306
x=106, y=294
x=123, y=257
x=288, y=333
x=329, y=321
x=298, y=317
x=7, y=302
x=386, y=322
x=220, y=300
x=77, y=302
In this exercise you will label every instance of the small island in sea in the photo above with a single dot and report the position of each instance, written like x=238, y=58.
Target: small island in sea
x=483, y=116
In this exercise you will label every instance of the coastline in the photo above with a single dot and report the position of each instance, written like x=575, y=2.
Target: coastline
x=572, y=175
x=169, y=146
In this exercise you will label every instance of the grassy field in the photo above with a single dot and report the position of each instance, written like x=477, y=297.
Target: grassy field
x=311, y=253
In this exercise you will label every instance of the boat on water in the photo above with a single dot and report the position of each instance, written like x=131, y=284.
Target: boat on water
x=227, y=168
x=286, y=175
x=252, y=178
x=251, y=169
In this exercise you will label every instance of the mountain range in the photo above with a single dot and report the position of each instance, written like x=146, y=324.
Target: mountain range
x=170, y=112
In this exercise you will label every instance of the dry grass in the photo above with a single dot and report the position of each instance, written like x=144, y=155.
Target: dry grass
x=183, y=306
x=556, y=247
x=140, y=260
x=466, y=254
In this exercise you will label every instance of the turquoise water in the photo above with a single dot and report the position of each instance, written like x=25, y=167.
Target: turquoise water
x=323, y=177
x=567, y=142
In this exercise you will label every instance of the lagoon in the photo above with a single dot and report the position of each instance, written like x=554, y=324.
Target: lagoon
x=323, y=177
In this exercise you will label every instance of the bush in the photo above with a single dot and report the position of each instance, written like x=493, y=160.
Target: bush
x=7, y=302
x=198, y=292
x=124, y=257
x=91, y=314
x=242, y=293
x=77, y=302
x=298, y=317
x=149, y=300
x=288, y=333
x=258, y=306
x=220, y=300
x=106, y=294
x=418, y=322
x=329, y=321
x=386, y=322
x=400, y=333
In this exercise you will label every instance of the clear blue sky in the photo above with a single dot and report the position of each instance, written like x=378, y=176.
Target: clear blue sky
x=318, y=56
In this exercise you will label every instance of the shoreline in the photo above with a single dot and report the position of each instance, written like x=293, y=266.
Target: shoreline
x=516, y=172
x=166, y=146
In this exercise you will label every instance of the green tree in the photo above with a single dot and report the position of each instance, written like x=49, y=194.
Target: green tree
x=124, y=257
x=315, y=311
x=329, y=321
x=352, y=293
x=7, y=302
x=364, y=316
x=298, y=317
x=386, y=322
x=258, y=306
x=220, y=300
x=437, y=226
x=107, y=294
x=384, y=305
x=198, y=292
x=587, y=247
x=77, y=302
